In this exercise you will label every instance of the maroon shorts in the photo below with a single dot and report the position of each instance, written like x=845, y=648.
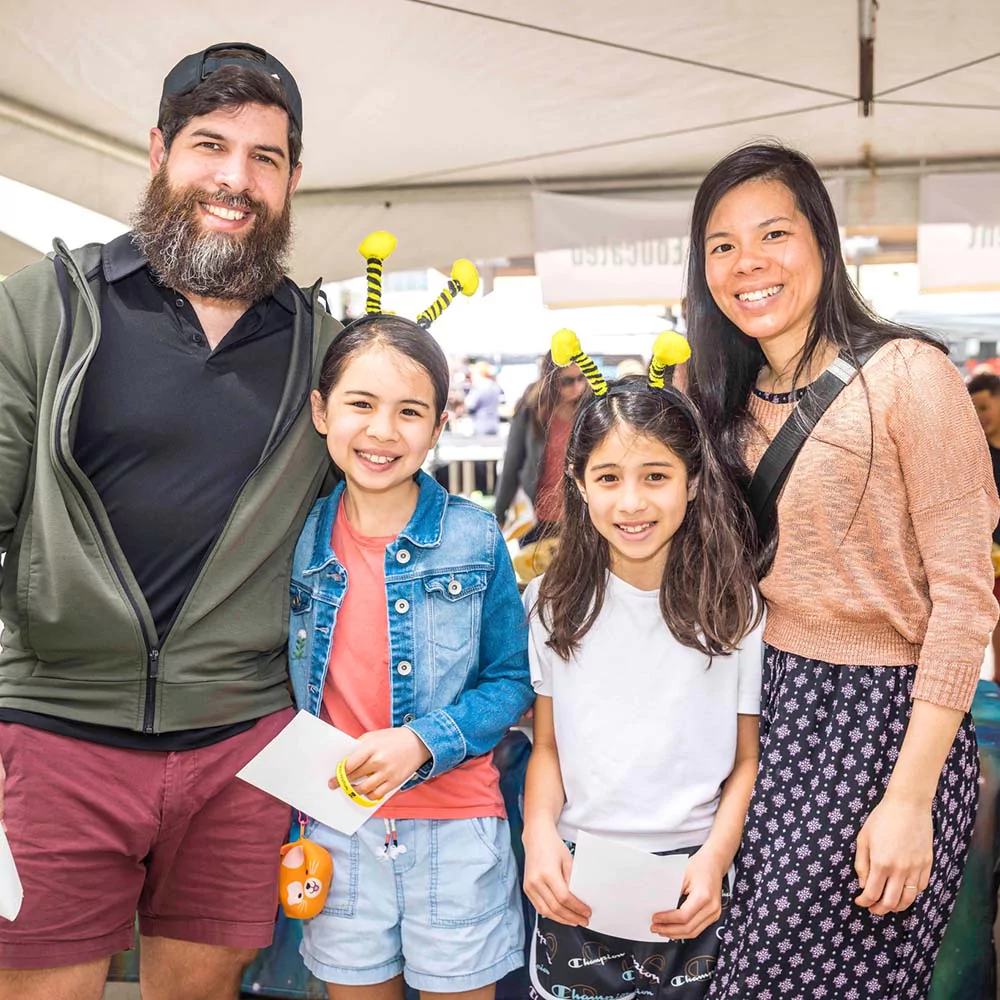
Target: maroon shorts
x=98, y=833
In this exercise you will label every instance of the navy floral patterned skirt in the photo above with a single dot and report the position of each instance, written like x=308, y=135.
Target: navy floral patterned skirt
x=829, y=738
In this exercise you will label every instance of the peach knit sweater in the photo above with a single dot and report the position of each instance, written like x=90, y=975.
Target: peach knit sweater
x=896, y=570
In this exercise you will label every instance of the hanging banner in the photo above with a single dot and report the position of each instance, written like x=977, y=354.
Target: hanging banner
x=636, y=272
x=593, y=250
x=958, y=236
x=610, y=251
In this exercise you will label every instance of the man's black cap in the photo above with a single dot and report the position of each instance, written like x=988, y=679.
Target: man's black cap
x=192, y=69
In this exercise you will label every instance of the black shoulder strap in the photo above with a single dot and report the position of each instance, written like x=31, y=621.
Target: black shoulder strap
x=777, y=462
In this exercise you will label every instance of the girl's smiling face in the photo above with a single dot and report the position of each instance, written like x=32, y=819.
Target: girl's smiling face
x=637, y=492
x=762, y=263
x=379, y=420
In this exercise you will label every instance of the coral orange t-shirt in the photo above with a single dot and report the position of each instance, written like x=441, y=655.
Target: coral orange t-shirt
x=357, y=696
x=549, y=494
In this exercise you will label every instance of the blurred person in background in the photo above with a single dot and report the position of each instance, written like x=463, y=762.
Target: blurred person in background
x=483, y=400
x=535, y=459
x=984, y=389
x=630, y=366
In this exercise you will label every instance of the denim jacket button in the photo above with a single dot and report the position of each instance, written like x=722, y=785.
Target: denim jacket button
x=404, y=668
x=408, y=718
x=402, y=606
x=454, y=588
x=403, y=556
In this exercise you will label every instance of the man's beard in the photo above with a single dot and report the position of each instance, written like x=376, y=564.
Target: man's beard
x=183, y=255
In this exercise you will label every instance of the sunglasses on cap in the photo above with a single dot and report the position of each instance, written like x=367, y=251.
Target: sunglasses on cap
x=198, y=66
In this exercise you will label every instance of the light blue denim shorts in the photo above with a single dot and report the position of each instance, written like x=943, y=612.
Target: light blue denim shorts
x=446, y=913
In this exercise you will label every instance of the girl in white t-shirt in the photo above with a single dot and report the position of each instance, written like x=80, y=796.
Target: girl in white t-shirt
x=645, y=654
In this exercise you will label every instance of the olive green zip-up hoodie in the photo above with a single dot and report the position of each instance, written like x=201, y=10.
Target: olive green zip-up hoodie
x=79, y=641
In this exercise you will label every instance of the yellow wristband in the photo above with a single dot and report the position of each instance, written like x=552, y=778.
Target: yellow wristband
x=349, y=789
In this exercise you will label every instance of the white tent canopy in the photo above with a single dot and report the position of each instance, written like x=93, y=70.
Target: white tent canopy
x=436, y=121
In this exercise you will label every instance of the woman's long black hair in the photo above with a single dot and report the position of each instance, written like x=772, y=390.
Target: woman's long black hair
x=708, y=595
x=725, y=362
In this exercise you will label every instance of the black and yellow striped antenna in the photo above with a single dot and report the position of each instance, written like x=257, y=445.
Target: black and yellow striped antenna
x=669, y=349
x=375, y=247
x=464, y=280
x=566, y=350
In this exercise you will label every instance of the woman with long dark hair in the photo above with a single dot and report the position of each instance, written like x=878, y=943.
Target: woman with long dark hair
x=535, y=457
x=879, y=592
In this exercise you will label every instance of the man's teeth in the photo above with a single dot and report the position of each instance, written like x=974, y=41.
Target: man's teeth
x=225, y=213
x=377, y=459
x=634, y=529
x=762, y=293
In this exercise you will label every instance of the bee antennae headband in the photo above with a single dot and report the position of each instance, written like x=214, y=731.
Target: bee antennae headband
x=669, y=349
x=464, y=280
x=566, y=350
x=377, y=246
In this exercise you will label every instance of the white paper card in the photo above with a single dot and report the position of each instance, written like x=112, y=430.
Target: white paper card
x=11, y=892
x=624, y=886
x=297, y=765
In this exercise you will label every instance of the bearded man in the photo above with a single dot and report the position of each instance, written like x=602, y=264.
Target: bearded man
x=157, y=460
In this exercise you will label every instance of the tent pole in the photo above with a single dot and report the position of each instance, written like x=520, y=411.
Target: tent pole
x=866, y=55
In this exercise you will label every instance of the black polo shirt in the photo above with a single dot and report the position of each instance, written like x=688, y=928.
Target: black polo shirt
x=168, y=431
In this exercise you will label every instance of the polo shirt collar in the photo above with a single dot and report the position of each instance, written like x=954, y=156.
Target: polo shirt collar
x=121, y=258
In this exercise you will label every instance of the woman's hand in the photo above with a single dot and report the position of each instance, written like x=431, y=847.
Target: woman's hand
x=385, y=760
x=703, y=906
x=895, y=854
x=547, y=864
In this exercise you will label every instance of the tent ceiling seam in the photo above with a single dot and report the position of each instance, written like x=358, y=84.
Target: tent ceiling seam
x=651, y=137
x=932, y=76
x=639, y=183
x=943, y=104
x=621, y=47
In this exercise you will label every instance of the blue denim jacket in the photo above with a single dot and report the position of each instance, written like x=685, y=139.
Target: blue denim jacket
x=458, y=639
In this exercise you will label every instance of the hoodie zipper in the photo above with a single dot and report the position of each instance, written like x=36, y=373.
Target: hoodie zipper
x=152, y=652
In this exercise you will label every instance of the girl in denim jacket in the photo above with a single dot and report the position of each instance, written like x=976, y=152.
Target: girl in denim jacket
x=407, y=632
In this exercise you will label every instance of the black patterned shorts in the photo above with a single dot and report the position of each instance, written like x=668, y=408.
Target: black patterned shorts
x=575, y=963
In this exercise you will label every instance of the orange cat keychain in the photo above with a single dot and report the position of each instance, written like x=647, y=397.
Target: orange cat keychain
x=304, y=877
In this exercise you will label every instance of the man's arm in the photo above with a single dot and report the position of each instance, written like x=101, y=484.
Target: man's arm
x=17, y=416
x=17, y=432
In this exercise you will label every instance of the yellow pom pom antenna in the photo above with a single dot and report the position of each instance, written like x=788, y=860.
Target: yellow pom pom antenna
x=669, y=349
x=464, y=280
x=566, y=350
x=375, y=247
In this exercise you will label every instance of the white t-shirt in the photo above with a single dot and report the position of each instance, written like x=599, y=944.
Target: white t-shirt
x=645, y=727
